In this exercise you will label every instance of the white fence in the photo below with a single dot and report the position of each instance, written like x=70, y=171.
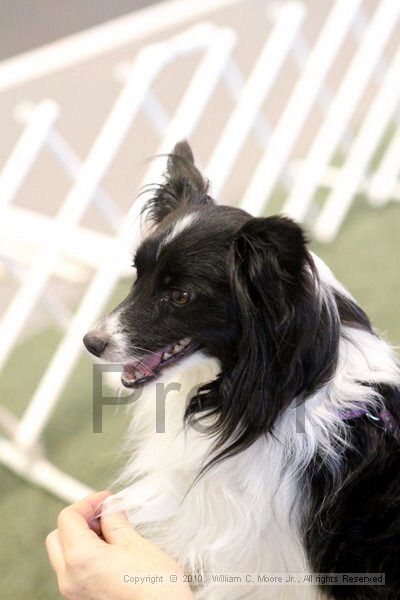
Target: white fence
x=344, y=67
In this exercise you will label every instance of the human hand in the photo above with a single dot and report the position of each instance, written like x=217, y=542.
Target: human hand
x=94, y=557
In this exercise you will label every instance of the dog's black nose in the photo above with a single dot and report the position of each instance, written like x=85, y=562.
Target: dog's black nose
x=96, y=344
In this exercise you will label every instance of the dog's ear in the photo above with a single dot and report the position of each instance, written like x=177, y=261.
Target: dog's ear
x=288, y=343
x=267, y=261
x=183, y=185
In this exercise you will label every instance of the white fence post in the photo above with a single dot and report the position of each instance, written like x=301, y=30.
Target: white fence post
x=342, y=107
x=299, y=105
x=263, y=75
x=383, y=183
x=354, y=169
x=26, y=150
x=189, y=111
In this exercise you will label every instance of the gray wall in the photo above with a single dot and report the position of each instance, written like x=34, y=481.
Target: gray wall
x=27, y=24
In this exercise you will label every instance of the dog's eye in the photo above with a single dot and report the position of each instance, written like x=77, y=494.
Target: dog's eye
x=180, y=297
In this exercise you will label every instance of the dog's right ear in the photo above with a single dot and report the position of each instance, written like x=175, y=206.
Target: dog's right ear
x=184, y=185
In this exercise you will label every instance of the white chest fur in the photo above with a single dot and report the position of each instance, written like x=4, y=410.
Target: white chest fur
x=240, y=518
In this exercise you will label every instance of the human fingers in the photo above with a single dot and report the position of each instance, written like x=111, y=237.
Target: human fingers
x=55, y=552
x=116, y=528
x=73, y=521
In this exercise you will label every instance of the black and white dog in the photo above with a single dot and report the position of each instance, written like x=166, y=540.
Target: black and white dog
x=281, y=448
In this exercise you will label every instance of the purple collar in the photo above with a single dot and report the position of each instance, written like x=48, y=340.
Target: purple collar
x=384, y=419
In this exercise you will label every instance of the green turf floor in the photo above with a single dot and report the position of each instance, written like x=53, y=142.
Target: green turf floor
x=365, y=256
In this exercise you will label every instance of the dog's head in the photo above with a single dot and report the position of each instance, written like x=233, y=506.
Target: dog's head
x=242, y=289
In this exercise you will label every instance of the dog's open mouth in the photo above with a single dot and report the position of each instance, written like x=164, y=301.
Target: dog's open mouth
x=143, y=369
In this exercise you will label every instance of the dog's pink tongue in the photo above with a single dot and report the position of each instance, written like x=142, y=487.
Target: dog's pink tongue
x=145, y=365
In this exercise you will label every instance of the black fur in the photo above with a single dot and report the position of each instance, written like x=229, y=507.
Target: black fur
x=350, y=313
x=286, y=341
x=184, y=186
x=353, y=524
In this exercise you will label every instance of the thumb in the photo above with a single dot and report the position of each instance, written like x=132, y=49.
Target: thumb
x=116, y=528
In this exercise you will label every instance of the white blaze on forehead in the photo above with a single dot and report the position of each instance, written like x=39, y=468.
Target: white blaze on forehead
x=178, y=228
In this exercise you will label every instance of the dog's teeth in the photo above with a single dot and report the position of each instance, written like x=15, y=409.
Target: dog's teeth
x=175, y=349
x=139, y=374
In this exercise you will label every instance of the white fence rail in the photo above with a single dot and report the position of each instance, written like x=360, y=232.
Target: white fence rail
x=303, y=58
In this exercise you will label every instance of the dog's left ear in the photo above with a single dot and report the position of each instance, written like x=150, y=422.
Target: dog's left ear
x=184, y=185
x=287, y=344
x=268, y=262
